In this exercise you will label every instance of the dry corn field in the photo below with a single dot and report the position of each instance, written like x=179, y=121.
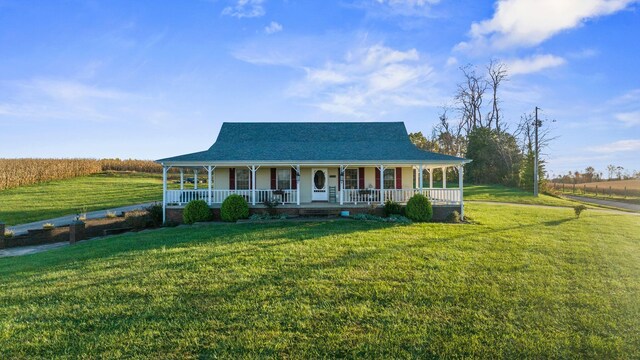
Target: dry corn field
x=20, y=172
x=615, y=187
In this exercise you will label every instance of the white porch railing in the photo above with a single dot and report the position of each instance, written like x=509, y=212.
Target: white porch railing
x=436, y=196
x=181, y=197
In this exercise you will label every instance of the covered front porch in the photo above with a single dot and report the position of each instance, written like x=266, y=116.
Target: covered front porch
x=312, y=185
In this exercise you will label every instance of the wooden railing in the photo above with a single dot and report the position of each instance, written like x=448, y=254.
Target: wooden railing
x=181, y=197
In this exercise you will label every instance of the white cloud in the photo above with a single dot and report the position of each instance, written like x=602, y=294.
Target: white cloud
x=409, y=8
x=533, y=64
x=452, y=61
x=245, y=9
x=618, y=146
x=44, y=98
x=369, y=80
x=273, y=28
x=530, y=22
x=71, y=90
x=629, y=118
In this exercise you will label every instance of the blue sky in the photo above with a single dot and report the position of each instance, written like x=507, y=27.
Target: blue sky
x=151, y=79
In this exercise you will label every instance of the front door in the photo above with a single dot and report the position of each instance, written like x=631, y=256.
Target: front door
x=319, y=185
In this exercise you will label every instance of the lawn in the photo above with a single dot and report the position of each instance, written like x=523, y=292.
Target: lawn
x=500, y=193
x=66, y=197
x=522, y=282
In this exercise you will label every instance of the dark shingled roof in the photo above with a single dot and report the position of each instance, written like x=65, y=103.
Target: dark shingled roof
x=308, y=142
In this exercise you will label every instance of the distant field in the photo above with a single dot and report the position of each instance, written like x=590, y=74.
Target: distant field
x=619, y=190
x=67, y=197
x=499, y=193
x=27, y=171
x=616, y=184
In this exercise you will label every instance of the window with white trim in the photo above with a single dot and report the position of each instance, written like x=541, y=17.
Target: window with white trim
x=242, y=179
x=390, y=178
x=351, y=178
x=283, y=177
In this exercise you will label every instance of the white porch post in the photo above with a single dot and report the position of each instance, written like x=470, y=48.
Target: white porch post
x=298, y=184
x=253, y=184
x=164, y=194
x=181, y=179
x=195, y=179
x=341, y=184
x=381, y=184
x=430, y=178
x=444, y=177
x=209, y=183
x=420, y=178
x=460, y=184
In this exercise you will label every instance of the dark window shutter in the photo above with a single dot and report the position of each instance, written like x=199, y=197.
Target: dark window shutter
x=232, y=179
x=338, y=179
x=377, y=178
x=250, y=179
x=294, y=182
x=398, y=178
x=274, y=184
x=361, y=178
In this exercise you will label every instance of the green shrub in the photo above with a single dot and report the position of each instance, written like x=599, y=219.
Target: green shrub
x=196, y=211
x=392, y=208
x=155, y=214
x=271, y=205
x=419, y=208
x=233, y=208
x=453, y=217
x=578, y=209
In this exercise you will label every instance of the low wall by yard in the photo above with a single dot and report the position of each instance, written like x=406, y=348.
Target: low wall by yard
x=93, y=228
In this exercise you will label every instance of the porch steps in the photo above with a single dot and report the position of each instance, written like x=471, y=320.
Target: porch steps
x=319, y=212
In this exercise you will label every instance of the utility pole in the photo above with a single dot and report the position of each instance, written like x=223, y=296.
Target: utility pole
x=537, y=124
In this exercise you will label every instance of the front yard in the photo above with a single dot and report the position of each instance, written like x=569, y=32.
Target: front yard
x=521, y=282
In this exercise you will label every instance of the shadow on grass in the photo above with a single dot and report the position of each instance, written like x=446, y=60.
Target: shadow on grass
x=557, y=222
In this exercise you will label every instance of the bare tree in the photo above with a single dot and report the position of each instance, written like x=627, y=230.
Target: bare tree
x=497, y=72
x=449, y=136
x=469, y=97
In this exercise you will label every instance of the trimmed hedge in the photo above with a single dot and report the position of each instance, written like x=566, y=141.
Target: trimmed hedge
x=392, y=208
x=196, y=211
x=233, y=208
x=419, y=208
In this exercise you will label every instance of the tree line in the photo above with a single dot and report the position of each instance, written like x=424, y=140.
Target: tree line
x=590, y=174
x=474, y=126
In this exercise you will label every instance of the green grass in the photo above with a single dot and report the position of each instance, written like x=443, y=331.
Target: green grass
x=499, y=193
x=522, y=282
x=67, y=197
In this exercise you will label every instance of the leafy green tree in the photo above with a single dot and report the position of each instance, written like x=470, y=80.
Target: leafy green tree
x=496, y=157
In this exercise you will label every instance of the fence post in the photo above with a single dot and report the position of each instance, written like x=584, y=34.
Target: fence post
x=563, y=188
x=610, y=193
x=574, y=189
x=625, y=192
x=584, y=190
x=596, y=190
x=76, y=231
x=2, y=227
